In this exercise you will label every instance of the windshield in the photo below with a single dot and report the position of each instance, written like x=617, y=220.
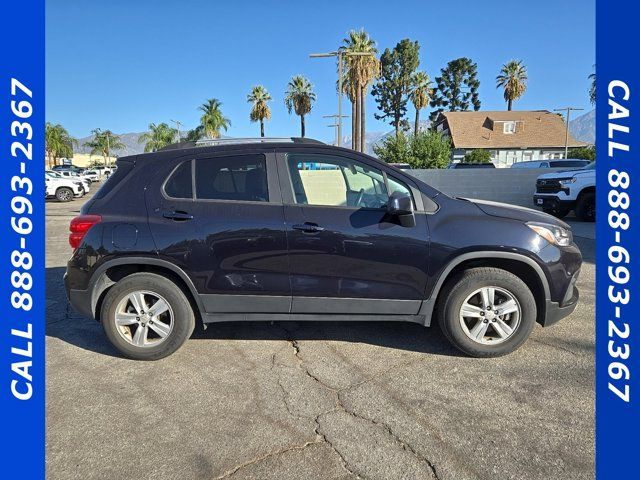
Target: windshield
x=591, y=166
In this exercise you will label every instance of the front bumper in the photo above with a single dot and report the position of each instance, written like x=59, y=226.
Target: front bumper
x=552, y=202
x=556, y=311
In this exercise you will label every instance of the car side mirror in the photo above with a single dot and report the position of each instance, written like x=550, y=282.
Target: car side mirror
x=400, y=205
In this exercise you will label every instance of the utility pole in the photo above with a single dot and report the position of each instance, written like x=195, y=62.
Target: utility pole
x=566, y=133
x=337, y=125
x=340, y=54
x=178, y=125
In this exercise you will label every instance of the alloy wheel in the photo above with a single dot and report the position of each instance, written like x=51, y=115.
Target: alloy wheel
x=490, y=315
x=144, y=319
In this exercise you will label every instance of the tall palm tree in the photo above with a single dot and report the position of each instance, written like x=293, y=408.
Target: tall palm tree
x=212, y=119
x=349, y=89
x=420, y=95
x=592, y=88
x=361, y=70
x=299, y=97
x=58, y=143
x=158, y=136
x=103, y=142
x=260, y=110
x=513, y=78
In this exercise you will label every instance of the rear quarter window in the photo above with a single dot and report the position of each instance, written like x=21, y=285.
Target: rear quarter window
x=123, y=169
x=179, y=183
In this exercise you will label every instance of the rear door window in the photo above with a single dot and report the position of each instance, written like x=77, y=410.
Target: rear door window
x=238, y=177
x=179, y=184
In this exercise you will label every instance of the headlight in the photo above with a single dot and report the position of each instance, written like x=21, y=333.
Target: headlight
x=567, y=181
x=552, y=233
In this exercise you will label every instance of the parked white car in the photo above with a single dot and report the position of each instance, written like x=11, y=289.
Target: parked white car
x=92, y=175
x=560, y=192
x=74, y=177
x=563, y=163
x=63, y=189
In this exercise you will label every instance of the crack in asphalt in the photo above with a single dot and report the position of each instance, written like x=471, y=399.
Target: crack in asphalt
x=261, y=458
x=339, y=406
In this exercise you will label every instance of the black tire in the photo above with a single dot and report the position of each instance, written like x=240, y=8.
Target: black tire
x=64, y=194
x=456, y=290
x=183, y=315
x=557, y=211
x=586, y=207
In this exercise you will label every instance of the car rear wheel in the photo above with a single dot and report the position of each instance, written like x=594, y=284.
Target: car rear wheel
x=64, y=194
x=586, y=207
x=486, y=312
x=146, y=316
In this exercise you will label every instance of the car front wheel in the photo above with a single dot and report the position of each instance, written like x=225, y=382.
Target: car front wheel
x=146, y=316
x=486, y=312
x=64, y=194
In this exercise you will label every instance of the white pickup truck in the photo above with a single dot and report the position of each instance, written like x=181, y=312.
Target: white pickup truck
x=64, y=190
x=560, y=192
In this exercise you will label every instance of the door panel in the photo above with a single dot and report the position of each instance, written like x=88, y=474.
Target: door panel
x=357, y=253
x=234, y=251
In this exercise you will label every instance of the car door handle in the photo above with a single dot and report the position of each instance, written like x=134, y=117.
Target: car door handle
x=178, y=215
x=308, y=227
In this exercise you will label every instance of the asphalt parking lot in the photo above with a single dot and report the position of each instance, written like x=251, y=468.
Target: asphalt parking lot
x=316, y=400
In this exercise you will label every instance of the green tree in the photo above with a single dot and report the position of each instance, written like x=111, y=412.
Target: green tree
x=58, y=143
x=426, y=149
x=103, y=143
x=299, y=97
x=392, y=89
x=584, y=153
x=513, y=79
x=592, y=88
x=158, y=136
x=361, y=71
x=456, y=87
x=212, y=119
x=478, y=156
x=259, y=97
x=420, y=95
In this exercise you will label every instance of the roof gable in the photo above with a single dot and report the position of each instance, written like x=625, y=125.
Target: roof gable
x=532, y=129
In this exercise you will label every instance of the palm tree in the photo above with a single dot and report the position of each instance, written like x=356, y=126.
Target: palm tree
x=58, y=143
x=299, y=97
x=260, y=110
x=103, y=142
x=361, y=70
x=158, y=136
x=212, y=120
x=592, y=88
x=420, y=95
x=513, y=78
x=349, y=90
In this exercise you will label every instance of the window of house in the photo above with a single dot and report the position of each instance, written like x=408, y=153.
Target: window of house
x=240, y=178
x=509, y=127
x=337, y=182
x=179, y=183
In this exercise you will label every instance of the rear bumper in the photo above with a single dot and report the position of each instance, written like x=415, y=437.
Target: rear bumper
x=80, y=300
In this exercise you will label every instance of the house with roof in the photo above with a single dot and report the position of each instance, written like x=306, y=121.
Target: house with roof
x=509, y=136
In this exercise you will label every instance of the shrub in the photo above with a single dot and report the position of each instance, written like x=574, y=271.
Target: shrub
x=427, y=149
x=478, y=156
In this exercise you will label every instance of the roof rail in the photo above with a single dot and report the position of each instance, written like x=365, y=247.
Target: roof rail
x=212, y=142
x=240, y=140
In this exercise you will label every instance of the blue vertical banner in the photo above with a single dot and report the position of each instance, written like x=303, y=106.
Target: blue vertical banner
x=22, y=261
x=617, y=240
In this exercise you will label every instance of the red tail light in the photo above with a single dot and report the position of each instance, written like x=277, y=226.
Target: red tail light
x=79, y=227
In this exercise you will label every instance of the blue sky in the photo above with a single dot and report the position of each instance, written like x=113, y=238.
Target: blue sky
x=123, y=64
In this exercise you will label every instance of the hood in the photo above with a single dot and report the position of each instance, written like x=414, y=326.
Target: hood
x=566, y=173
x=515, y=212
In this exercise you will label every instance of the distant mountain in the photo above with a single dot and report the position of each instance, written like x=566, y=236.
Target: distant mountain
x=130, y=141
x=583, y=128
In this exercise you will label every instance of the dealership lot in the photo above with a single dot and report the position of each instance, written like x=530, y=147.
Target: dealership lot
x=316, y=400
